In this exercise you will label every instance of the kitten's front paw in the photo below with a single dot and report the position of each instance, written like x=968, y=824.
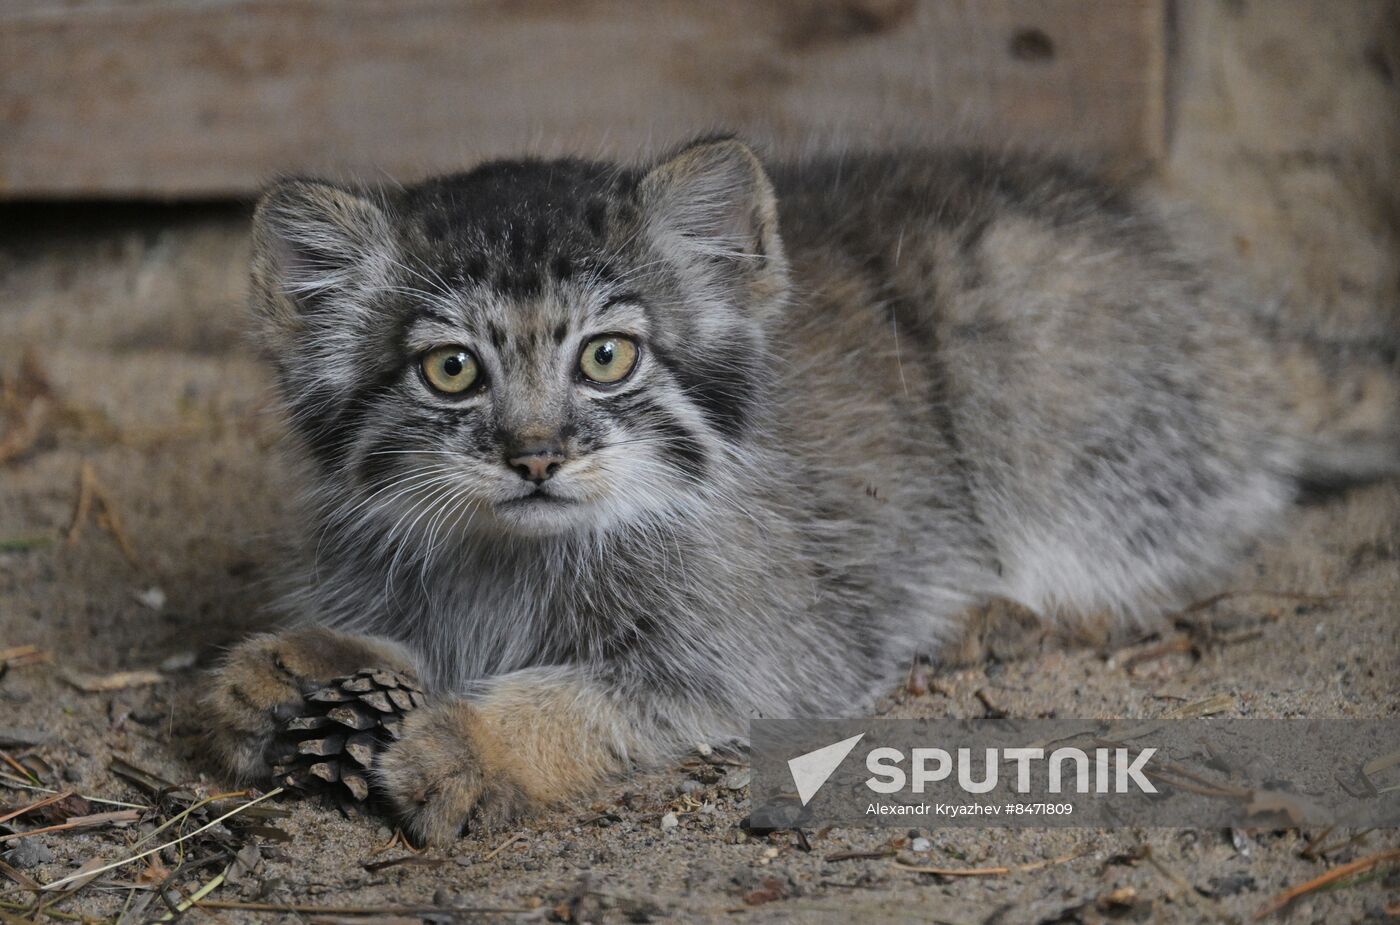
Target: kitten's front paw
x=447, y=772
x=262, y=683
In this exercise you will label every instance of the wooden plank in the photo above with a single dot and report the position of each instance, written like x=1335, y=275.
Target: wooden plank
x=210, y=97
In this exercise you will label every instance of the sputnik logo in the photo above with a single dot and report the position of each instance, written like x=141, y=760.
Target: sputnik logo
x=811, y=770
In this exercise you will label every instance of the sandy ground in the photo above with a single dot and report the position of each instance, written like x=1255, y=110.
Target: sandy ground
x=132, y=321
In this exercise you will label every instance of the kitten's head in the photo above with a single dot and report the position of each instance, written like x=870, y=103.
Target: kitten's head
x=532, y=347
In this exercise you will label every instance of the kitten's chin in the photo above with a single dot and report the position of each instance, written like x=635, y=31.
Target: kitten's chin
x=540, y=515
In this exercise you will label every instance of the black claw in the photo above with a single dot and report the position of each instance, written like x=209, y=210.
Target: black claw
x=284, y=712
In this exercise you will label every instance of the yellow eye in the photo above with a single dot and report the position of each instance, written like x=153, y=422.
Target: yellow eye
x=450, y=370
x=608, y=358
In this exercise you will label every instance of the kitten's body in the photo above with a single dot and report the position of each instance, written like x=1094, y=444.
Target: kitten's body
x=922, y=381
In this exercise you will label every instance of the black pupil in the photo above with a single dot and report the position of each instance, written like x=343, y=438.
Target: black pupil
x=453, y=366
x=604, y=354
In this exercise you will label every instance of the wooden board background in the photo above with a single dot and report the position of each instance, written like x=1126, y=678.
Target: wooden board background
x=173, y=98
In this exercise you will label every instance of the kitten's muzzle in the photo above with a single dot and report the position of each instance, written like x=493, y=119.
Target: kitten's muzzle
x=537, y=465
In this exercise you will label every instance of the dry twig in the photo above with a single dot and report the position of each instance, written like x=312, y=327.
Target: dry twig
x=1361, y=865
x=374, y=867
x=20, y=877
x=303, y=909
x=859, y=855
x=987, y=871
x=90, y=495
x=116, y=817
x=518, y=836
x=37, y=804
x=117, y=681
x=24, y=407
x=16, y=782
x=19, y=656
x=170, y=844
x=195, y=897
x=1217, y=703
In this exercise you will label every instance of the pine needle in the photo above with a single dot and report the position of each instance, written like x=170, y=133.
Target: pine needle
x=116, y=817
x=37, y=804
x=193, y=808
x=11, y=779
x=1358, y=866
x=170, y=844
x=196, y=896
x=988, y=871
x=305, y=909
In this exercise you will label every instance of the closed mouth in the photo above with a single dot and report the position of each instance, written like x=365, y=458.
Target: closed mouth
x=538, y=496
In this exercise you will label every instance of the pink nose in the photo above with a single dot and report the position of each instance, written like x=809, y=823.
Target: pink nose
x=537, y=466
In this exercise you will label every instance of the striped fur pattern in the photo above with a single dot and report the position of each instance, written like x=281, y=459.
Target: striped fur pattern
x=871, y=391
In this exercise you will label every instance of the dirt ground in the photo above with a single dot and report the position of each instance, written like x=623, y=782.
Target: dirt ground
x=121, y=343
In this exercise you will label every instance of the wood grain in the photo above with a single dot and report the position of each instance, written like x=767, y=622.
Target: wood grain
x=210, y=97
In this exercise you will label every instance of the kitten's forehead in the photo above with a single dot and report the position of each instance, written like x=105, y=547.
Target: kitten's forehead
x=528, y=249
x=523, y=215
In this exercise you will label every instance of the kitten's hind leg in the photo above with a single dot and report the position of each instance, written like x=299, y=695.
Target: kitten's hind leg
x=1143, y=540
x=1345, y=401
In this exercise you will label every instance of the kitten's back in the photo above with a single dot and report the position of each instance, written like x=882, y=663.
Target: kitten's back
x=1123, y=420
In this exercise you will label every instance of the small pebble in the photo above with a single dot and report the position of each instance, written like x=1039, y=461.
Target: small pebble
x=690, y=785
x=22, y=737
x=180, y=661
x=669, y=822
x=28, y=853
x=921, y=844
x=152, y=597
x=737, y=779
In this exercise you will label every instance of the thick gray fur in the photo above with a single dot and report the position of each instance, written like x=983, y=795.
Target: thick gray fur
x=874, y=391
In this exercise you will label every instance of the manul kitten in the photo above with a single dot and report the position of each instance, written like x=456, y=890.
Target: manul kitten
x=616, y=458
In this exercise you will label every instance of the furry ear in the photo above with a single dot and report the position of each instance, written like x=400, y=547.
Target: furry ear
x=712, y=204
x=315, y=245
